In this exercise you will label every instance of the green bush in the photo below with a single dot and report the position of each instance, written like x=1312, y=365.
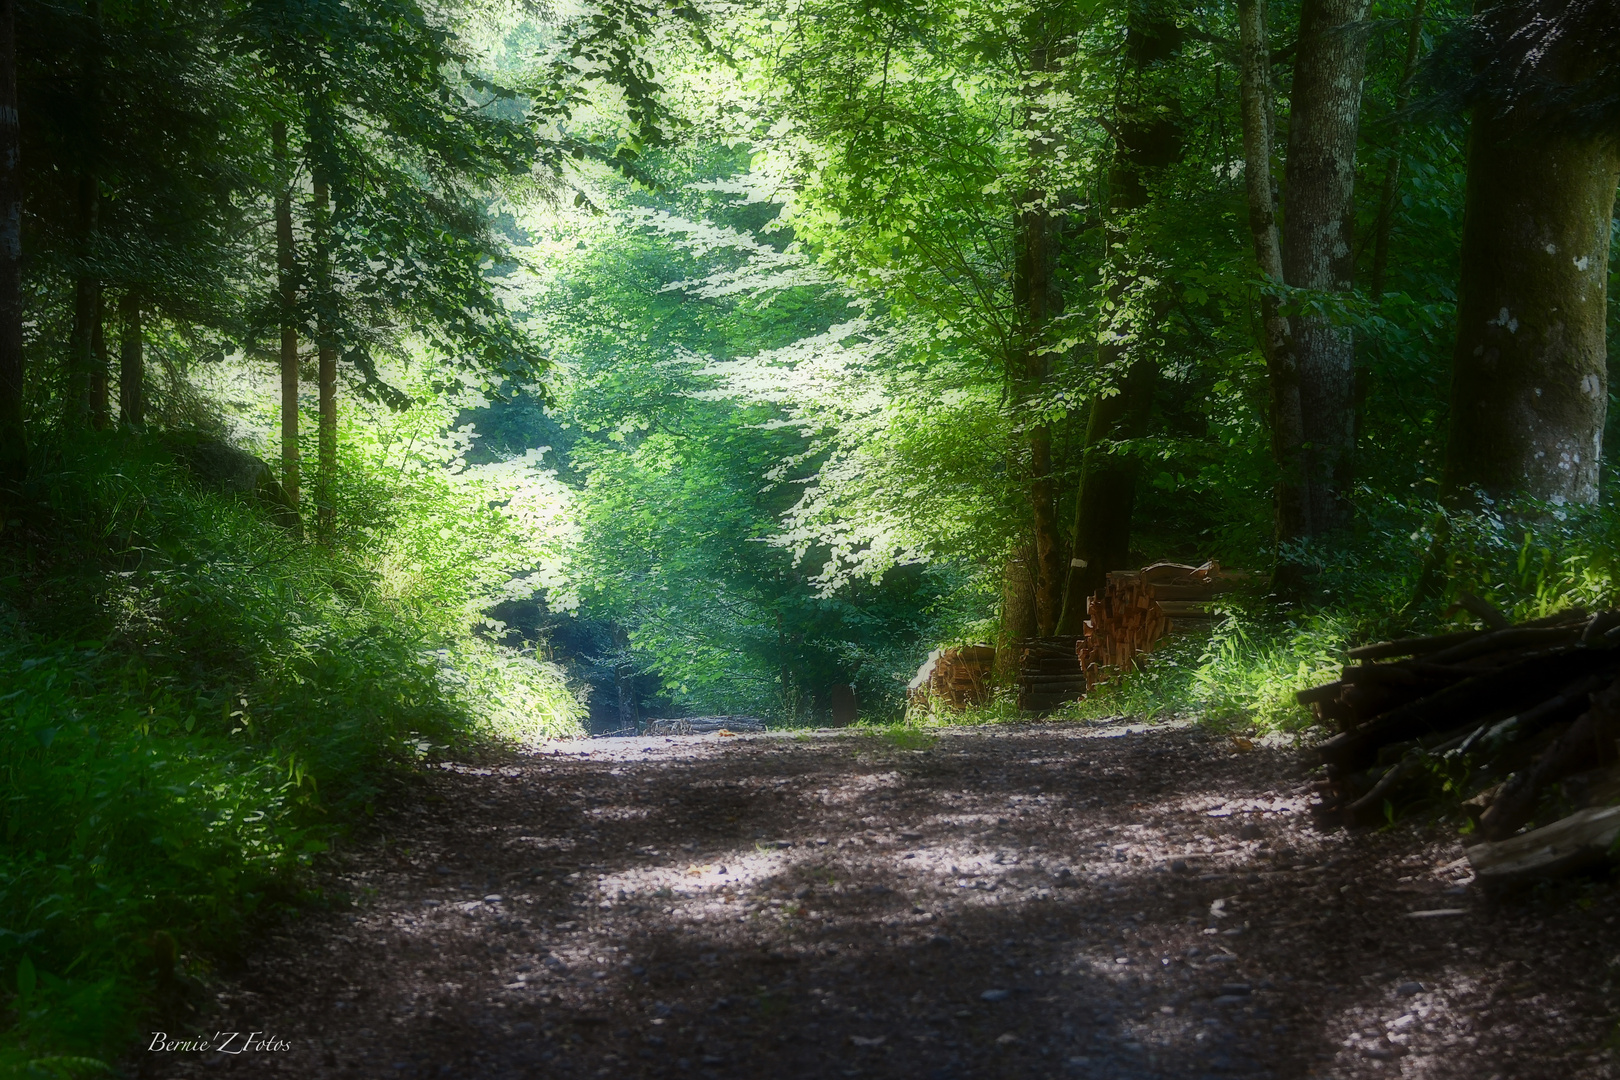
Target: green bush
x=194, y=704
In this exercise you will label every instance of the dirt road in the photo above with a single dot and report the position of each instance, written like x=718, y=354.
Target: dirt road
x=1043, y=901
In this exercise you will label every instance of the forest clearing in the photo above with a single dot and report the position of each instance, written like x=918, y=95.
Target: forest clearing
x=809, y=538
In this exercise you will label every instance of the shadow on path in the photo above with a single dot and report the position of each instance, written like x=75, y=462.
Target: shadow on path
x=1029, y=902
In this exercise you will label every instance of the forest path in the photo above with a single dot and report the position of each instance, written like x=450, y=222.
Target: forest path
x=1033, y=901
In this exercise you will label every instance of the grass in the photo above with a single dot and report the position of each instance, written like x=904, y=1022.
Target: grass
x=194, y=706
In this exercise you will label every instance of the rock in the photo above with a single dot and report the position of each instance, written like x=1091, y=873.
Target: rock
x=1407, y=989
x=1234, y=989
x=861, y=1040
x=1231, y=999
x=801, y=892
x=995, y=995
x=215, y=463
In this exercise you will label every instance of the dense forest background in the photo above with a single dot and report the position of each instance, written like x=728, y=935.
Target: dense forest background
x=375, y=376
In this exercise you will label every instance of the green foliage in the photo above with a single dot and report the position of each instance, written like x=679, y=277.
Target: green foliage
x=196, y=705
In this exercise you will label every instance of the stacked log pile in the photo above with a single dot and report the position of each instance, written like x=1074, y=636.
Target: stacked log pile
x=958, y=678
x=1508, y=711
x=1049, y=673
x=1135, y=609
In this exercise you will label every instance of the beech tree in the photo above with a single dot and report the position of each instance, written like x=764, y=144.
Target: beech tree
x=1147, y=135
x=1529, y=390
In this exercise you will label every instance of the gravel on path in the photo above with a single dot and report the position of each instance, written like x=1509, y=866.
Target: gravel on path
x=1042, y=900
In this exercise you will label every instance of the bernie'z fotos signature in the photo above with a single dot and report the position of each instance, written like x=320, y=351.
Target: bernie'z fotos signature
x=222, y=1042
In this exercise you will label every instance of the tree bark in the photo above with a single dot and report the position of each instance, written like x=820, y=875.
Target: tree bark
x=131, y=362
x=326, y=377
x=1107, y=493
x=1017, y=610
x=1529, y=387
x=1293, y=507
x=1038, y=299
x=13, y=432
x=287, y=285
x=1318, y=242
x=1147, y=141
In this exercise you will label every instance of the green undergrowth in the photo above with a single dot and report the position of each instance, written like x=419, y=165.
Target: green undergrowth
x=195, y=704
x=1399, y=575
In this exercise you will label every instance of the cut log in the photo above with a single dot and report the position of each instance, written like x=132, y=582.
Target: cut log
x=954, y=678
x=1588, y=744
x=1135, y=609
x=1049, y=673
x=1499, y=693
x=1506, y=699
x=1580, y=840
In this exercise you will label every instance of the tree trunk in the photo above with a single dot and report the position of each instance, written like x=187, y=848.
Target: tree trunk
x=100, y=389
x=1107, y=494
x=1147, y=140
x=1017, y=611
x=1293, y=508
x=287, y=284
x=13, y=432
x=131, y=362
x=1037, y=298
x=79, y=405
x=1318, y=241
x=326, y=352
x=1529, y=388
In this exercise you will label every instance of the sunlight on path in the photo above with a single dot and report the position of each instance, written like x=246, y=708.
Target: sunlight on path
x=1046, y=900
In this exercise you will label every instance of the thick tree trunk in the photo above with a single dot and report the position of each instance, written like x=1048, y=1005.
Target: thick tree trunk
x=1318, y=241
x=1293, y=508
x=13, y=433
x=326, y=376
x=1529, y=388
x=131, y=362
x=1017, y=611
x=1147, y=140
x=1107, y=493
x=287, y=285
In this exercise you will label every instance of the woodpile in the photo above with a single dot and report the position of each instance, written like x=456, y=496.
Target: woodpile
x=958, y=678
x=1135, y=609
x=1049, y=673
x=1507, y=711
